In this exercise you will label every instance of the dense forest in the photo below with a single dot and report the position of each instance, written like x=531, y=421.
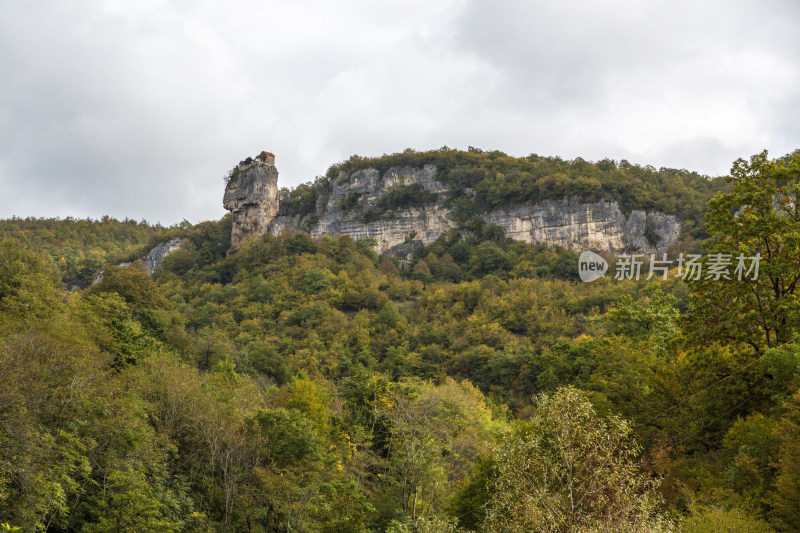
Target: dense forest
x=80, y=248
x=301, y=384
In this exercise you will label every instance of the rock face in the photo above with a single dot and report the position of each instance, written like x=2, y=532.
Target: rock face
x=423, y=224
x=600, y=226
x=353, y=206
x=152, y=260
x=155, y=256
x=252, y=197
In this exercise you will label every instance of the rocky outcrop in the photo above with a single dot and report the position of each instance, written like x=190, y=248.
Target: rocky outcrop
x=587, y=226
x=566, y=222
x=152, y=259
x=156, y=256
x=356, y=205
x=393, y=228
x=251, y=195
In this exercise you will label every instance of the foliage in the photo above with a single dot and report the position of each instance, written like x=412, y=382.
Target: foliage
x=302, y=201
x=80, y=248
x=496, y=179
x=759, y=215
x=424, y=525
x=655, y=318
x=436, y=434
x=27, y=283
x=398, y=197
x=567, y=470
x=714, y=519
x=304, y=384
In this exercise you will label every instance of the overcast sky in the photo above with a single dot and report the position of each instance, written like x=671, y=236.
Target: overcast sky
x=139, y=108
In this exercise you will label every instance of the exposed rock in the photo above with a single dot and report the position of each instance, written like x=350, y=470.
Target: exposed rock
x=566, y=222
x=405, y=251
x=602, y=226
x=587, y=226
x=284, y=224
x=252, y=197
x=423, y=224
x=154, y=257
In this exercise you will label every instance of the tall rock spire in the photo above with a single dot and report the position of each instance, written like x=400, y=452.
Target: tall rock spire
x=251, y=195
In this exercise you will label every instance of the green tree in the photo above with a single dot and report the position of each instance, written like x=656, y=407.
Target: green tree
x=654, y=317
x=436, y=435
x=786, y=512
x=28, y=285
x=760, y=215
x=567, y=470
x=130, y=504
x=490, y=259
x=425, y=525
x=389, y=315
x=422, y=272
x=135, y=287
x=752, y=444
x=717, y=519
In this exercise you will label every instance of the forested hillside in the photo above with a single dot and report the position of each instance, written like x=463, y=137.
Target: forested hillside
x=300, y=384
x=80, y=248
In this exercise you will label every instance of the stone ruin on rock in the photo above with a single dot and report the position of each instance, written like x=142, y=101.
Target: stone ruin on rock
x=251, y=195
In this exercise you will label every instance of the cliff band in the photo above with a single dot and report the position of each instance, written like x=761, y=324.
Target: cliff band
x=353, y=206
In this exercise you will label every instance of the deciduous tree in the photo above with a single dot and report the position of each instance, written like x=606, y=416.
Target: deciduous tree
x=567, y=470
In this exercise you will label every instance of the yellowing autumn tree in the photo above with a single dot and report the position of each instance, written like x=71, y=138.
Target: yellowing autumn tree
x=567, y=470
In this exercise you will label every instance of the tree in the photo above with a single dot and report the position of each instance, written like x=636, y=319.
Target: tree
x=567, y=470
x=654, y=317
x=490, y=259
x=135, y=286
x=28, y=286
x=715, y=519
x=786, y=512
x=436, y=435
x=389, y=315
x=752, y=444
x=759, y=216
x=130, y=504
x=422, y=272
x=425, y=525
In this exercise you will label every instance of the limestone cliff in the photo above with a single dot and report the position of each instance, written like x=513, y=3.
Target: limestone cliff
x=424, y=223
x=152, y=259
x=365, y=204
x=587, y=226
x=156, y=256
x=251, y=195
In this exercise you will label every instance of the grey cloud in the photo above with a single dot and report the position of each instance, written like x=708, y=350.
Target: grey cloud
x=627, y=71
x=138, y=109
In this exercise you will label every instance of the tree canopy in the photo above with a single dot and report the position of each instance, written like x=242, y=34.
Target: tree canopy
x=310, y=384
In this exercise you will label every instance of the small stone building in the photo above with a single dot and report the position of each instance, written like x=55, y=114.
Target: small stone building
x=267, y=157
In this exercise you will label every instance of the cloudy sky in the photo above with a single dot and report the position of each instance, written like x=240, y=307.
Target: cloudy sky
x=138, y=109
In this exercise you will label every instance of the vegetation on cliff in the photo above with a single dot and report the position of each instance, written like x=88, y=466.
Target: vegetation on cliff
x=496, y=179
x=399, y=196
